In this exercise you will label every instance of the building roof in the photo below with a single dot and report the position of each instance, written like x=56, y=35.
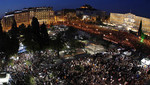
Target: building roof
x=10, y=15
x=27, y=9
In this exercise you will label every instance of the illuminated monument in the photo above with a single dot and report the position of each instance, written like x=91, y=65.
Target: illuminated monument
x=88, y=13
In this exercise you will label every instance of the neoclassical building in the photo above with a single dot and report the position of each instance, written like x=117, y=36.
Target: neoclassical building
x=130, y=20
x=43, y=14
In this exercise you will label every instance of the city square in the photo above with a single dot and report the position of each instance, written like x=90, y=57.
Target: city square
x=75, y=45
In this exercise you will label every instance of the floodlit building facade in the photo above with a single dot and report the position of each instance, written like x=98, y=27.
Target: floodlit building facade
x=129, y=19
x=43, y=14
x=7, y=21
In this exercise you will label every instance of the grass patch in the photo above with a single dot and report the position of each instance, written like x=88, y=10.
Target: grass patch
x=32, y=81
x=11, y=62
x=28, y=62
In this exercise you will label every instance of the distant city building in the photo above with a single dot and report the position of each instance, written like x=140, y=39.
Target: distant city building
x=43, y=14
x=90, y=12
x=65, y=14
x=131, y=20
x=48, y=16
x=85, y=9
x=7, y=20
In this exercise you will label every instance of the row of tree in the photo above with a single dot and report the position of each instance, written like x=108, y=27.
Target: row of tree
x=9, y=44
x=35, y=38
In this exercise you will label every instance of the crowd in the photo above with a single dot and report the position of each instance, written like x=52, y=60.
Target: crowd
x=100, y=70
x=110, y=68
x=27, y=66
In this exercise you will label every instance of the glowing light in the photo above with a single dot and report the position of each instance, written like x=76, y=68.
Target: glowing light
x=142, y=37
x=85, y=17
x=142, y=40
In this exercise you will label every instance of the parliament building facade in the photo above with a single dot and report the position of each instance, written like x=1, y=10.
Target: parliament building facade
x=130, y=20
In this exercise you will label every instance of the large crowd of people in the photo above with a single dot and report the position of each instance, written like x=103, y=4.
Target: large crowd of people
x=109, y=68
x=28, y=66
x=100, y=70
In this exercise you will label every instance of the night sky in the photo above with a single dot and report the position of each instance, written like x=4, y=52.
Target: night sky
x=138, y=7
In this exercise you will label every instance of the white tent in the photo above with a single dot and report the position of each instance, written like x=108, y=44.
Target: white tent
x=5, y=80
x=145, y=61
x=127, y=53
x=94, y=49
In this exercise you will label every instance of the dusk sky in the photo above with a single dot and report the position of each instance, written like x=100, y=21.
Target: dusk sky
x=138, y=7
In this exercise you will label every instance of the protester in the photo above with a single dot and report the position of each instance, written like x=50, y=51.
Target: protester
x=110, y=68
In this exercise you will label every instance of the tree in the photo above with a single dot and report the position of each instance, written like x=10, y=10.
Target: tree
x=44, y=32
x=140, y=32
x=58, y=43
x=35, y=26
x=140, y=29
x=8, y=46
x=22, y=29
x=29, y=40
x=14, y=35
x=14, y=31
x=44, y=36
x=36, y=38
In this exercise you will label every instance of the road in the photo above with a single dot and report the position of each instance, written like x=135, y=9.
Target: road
x=116, y=36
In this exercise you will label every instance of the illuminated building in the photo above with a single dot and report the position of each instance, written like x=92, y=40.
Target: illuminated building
x=90, y=12
x=70, y=14
x=7, y=21
x=22, y=17
x=59, y=16
x=65, y=15
x=130, y=20
x=43, y=14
